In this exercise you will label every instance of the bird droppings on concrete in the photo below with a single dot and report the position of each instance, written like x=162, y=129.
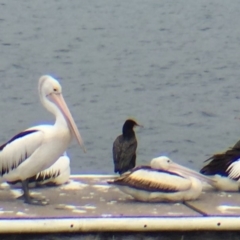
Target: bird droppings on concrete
x=83, y=197
x=73, y=185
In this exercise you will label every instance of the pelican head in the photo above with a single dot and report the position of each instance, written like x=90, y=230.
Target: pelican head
x=161, y=162
x=166, y=164
x=50, y=92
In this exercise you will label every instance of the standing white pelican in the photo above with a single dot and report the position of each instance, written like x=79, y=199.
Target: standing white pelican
x=224, y=168
x=163, y=180
x=37, y=148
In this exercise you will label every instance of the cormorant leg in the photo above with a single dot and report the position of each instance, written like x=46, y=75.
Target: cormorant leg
x=27, y=198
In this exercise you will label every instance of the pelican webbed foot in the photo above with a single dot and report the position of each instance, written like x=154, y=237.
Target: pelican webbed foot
x=34, y=201
x=28, y=199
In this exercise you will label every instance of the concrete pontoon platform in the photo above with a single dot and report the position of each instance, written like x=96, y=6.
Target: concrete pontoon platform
x=88, y=204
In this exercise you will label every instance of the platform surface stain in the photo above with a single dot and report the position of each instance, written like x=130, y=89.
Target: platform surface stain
x=85, y=197
x=91, y=197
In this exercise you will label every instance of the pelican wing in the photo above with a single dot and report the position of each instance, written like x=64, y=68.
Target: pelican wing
x=152, y=180
x=47, y=175
x=234, y=170
x=18, y=149
x=219, y=163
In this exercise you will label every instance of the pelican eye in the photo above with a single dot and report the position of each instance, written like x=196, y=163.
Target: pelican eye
x=54, y=89
x=168, y=161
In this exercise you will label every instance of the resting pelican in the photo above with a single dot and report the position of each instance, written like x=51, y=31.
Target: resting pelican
x=57, y=174
x=124, y=148
x=37, y=148
x=225, y=169
x=162, y=181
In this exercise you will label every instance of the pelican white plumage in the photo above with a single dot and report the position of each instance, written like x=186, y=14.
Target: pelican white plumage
x=37, y=148
x=162, y=181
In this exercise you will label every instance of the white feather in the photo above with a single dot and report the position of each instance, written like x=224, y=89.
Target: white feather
x=234, y=169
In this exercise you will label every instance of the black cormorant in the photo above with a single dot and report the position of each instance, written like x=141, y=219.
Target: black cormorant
x=124, y=148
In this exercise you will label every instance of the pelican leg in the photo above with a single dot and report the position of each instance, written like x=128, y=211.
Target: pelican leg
x=27, y=198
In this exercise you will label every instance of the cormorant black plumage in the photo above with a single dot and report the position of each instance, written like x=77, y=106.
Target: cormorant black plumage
x=219, y=163
x=124, y=148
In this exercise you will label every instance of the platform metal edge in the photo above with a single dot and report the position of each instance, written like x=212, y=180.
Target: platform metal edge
x=119, y=224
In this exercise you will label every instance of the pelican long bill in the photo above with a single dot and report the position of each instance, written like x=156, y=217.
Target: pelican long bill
x=60, y=102
x=180, y=169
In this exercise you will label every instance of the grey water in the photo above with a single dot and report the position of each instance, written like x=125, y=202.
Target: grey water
x=171, y=65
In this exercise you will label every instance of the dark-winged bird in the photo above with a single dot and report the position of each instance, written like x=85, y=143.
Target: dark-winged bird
x=219, y=163
x=225, y=167
x=124, y=148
